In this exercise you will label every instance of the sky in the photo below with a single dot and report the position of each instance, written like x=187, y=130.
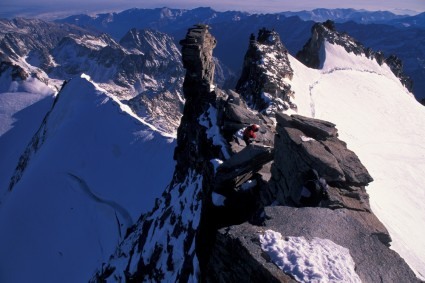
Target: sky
x=58, y=8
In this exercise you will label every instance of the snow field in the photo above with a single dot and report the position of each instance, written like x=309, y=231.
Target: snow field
x=385, y=126
x=98, y=169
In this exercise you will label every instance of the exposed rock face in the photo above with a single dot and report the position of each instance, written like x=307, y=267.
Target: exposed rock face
x=16, y=72
x=343, y=216
x=198, y=61
x=265, y=69
x=310, y=55
x=237, y=257
x=163, y=245
x=238, y=250
x=303, y=144
x=396, y=66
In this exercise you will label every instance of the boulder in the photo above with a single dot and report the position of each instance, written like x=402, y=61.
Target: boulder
x=303, y=144
x=237, y=252
x=241, y=166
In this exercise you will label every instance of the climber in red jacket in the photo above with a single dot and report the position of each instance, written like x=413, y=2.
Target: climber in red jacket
x=249, y=133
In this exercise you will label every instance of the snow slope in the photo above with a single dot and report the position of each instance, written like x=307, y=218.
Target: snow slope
x=97, y=170
x=385, y=126
x=23, y=106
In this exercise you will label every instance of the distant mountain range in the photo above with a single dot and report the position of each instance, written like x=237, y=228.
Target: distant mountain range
x=402, y=36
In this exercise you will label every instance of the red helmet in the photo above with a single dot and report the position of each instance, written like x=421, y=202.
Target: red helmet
x=255, y=127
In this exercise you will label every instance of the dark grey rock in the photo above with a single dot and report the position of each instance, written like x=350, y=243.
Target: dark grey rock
x=303, y=144
x=320, y=129
x=266, y=66
x=360, y=232
x=240, y=167
x=237, y=251
x=355, y=173
x=237, y=257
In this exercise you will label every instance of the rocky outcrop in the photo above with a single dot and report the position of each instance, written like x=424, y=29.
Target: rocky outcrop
x=238, y=252
x=396, y=66
x=303, y=144
x=16, y=72
x=341, y=215
x=266, y=67
x=311, y=56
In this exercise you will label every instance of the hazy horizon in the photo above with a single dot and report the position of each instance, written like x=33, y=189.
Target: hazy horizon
x=50, y=9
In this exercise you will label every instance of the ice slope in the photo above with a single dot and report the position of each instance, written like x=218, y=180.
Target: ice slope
x=98, y=169
x=385, y=126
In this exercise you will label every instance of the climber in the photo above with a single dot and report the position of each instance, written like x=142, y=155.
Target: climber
x=249, y=133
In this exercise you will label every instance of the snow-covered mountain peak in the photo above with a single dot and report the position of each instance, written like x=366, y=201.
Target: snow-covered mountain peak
x=325, y=32
x=324, y=35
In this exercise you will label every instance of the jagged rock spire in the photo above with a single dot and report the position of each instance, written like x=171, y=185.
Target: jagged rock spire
x=197, y=57
x=162, y=246
x=192, y=145
x=265, y=69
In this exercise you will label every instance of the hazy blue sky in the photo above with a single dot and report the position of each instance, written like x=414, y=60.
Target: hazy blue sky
x=72, y=6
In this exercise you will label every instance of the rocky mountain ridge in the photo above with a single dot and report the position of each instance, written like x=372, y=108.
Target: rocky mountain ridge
x=144, y=67
x=183, y=239
x=345, y=15
x=310, y=55
x=224, y=196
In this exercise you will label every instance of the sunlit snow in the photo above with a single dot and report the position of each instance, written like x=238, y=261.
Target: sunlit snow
x=315, y=260
x=385, y=126
x=97, y=169
x=23, y=106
